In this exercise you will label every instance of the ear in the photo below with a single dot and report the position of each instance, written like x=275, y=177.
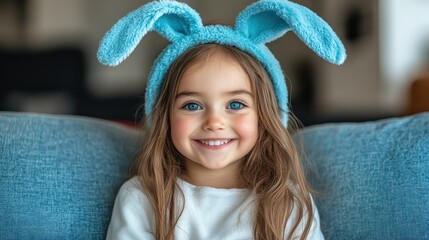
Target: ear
x=171, y=19
x=267, y=20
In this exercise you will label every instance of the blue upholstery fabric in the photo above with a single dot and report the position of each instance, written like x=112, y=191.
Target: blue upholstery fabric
x=59, y=175
x=373, y=178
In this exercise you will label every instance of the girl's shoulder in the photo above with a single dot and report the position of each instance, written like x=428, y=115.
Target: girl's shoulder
x=131, y=190
x=132, y=214
x=131, y=185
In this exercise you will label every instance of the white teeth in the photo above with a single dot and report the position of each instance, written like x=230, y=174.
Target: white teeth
x=215, y=143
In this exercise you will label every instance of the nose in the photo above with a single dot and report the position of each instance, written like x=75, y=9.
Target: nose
x=214, y=122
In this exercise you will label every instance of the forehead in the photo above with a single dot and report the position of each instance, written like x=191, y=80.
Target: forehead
x=214, y=71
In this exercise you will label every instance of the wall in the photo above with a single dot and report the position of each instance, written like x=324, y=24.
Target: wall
x=404, y=46
x=353, y=88
x=10, y=24
x=371, y=81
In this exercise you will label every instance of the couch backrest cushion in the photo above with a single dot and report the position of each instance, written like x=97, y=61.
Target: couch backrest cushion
x=373, y=177
x=60, y=174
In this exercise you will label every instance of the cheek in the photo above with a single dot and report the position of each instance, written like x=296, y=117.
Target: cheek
x=247, y=127
x=180, y=129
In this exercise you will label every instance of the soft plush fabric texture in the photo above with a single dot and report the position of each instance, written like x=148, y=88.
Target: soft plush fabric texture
x=258, y=24
x=59, y=176
x=373, y=177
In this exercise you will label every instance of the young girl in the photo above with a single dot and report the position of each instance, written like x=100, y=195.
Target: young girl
x=218, y=161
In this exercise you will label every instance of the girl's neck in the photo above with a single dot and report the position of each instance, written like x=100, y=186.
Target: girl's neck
x=215, y=179
x=213, y=182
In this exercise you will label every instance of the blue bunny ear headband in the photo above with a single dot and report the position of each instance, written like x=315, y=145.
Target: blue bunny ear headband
x=258, y=24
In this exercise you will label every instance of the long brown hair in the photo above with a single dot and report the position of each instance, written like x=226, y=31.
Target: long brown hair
x=272, y=169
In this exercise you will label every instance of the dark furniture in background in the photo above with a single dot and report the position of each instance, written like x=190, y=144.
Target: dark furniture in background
x=28, y=75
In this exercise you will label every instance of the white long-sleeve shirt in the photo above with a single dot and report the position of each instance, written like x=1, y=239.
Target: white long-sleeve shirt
x=209, y=213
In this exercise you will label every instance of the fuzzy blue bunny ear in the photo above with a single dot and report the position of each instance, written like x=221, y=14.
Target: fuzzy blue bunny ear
x=171, y=19
x=267, y=20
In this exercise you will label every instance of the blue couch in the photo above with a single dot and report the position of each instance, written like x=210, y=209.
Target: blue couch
x=59, y=176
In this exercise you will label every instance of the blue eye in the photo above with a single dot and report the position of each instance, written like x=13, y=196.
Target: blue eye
x=235, y=105
x=192, y=107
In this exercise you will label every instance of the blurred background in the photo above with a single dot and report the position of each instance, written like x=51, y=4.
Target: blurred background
x=48, y=59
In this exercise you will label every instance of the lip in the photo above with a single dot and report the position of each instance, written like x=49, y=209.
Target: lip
x=214, y=144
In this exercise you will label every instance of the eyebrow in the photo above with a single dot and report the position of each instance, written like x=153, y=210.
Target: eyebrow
x=229, y=93
x=239, y=92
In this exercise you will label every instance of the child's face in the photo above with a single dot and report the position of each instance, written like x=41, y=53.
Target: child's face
x=214, y=122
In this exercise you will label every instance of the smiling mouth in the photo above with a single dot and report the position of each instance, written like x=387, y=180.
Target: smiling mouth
x=215, y=143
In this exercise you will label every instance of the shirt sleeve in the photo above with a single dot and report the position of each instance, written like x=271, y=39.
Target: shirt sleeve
x=132, y=215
